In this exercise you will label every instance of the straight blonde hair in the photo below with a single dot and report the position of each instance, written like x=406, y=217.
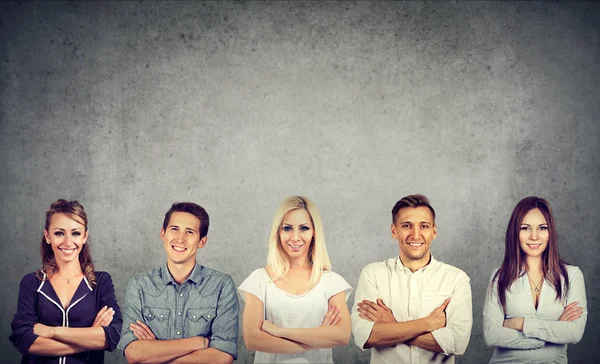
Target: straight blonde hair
x=277, y=258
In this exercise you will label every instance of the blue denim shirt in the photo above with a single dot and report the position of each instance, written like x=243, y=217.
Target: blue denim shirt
x=206, y=304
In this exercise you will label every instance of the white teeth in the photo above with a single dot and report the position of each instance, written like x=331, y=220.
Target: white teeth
x=179, y=249
x=295, y=246
x=415, y=244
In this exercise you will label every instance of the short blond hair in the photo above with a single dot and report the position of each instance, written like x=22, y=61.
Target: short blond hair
x=317, y=254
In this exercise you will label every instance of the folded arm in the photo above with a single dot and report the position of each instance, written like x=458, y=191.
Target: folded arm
x=257, y=339
x=494, y=333
x=335, y=330
x=570, y=326
x=150, y=351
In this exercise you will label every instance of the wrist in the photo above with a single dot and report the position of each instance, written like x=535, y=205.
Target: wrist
x=53, y=332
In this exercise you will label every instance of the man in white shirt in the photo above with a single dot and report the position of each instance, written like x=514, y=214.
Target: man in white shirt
x=412, y=308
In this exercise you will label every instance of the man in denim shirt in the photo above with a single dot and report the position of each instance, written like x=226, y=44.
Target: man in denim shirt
x=181, y=312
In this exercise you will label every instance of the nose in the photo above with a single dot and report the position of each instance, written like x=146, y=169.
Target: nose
x=415, y=231
x=533, y=235
x=296, y=235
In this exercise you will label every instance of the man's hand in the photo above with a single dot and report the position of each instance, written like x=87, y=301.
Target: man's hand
x=437, y=317
x=43, y=330
x=572, y=312
x=142, y=331
x=104, y=317
x=332, y=317
x=515, y=323
x=375, y=311
x=270, y=328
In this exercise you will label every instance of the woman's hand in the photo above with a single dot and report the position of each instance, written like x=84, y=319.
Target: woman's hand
x=43, y=330
x=332, y=317
x=104, y=317
x=515, y=323
x=270, y=328
x=572, y=312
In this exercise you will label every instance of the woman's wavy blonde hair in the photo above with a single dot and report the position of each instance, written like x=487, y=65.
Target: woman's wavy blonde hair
x=75, y=211
x=317, y=254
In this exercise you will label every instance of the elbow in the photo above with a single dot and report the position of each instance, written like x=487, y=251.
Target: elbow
x=131, y=356
x=344, y=339
x=250, y=342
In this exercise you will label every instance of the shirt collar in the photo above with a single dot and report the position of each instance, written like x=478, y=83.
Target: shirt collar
x=196, y=276
x=429, y=267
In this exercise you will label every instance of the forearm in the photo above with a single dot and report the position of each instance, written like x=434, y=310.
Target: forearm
x=204, y=356
x=160, y=351
x=50, y=347
x=89, y=338
x=427, y=342
x=509, y=338
x=557, y=332
x=262, y=341
x=317, y=337
x=392, y=333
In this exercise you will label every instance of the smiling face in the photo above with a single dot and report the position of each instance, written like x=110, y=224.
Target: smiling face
x=296, y=233
x=181, y=238
x=66, y=236
x=533, y=233
x=414, y=230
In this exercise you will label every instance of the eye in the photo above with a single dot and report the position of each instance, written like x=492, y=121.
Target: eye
x=76, y=233
x=304, y=228
x=58, y=233
x=543, y=228
x=286, y=228
x=174, y=228
x=405, y=226
x=190, y=232
x=525, y=228
x=424, y=227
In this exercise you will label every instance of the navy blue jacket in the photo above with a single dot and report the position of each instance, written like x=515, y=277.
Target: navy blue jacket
x=38, y=302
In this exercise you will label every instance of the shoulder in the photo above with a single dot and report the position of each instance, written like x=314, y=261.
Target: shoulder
x=451, y=271
x=259, y=275
x=103, y=277
x=212, y=274
x=30, y=281
x=573, y=271
x=214, y=282
x=332, y=276
x=381, y=266
x=150, y=278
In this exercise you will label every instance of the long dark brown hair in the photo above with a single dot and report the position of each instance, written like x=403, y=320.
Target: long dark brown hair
x=75, y=211
x=553, y=268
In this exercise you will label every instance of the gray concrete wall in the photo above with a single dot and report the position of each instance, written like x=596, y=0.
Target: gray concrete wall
x=129, y=107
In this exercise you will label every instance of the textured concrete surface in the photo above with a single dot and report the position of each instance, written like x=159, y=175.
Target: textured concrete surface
x=129, y=107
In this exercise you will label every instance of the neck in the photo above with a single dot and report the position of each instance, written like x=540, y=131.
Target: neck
x=416, y=264
x=533, y=264
x=70, y=269
x=180, y=272
x=300, y=263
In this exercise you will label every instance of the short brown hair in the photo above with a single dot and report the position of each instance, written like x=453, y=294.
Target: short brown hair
x=416, y=200
x=190, y=208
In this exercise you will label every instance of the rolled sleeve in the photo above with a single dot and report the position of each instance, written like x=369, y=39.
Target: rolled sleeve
x=454, y=338
x=225, y=326
x=494, y=334
x=132, y=311
x=365, y=290
x=107, y=294
x=22, y=335
x=562, y=332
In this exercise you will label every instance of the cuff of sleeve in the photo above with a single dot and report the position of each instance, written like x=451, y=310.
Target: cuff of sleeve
x=224, y=346
x=444, y=339
x=362, y=332
x=531, y=327
x=26, y=342
x=126, y=339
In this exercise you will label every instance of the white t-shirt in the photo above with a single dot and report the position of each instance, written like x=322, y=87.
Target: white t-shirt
x=294, y=311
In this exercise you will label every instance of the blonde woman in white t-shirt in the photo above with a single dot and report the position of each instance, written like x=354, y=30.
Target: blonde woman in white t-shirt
x=295, y=308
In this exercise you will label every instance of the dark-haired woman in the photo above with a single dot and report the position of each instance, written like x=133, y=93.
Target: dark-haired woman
x=536, y=303
x=67, y=312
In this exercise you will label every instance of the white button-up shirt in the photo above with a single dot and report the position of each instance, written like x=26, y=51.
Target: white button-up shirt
x=412, y=296
x=544, y=339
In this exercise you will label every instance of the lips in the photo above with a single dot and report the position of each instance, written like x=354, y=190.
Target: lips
x=178, y=248
x=68, y=251
x=534, y=246
x=295, y=246
x=414, y=244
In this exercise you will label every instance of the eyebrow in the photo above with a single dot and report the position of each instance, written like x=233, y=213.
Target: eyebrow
x=303, y=224
x=421, y=222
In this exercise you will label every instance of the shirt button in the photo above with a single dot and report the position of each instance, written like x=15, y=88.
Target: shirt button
x=179, y=313
x=149, y=315
x=208, y=316
x=178, y=332
x=194, y=316
x=161, y=316
x=181, y=295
